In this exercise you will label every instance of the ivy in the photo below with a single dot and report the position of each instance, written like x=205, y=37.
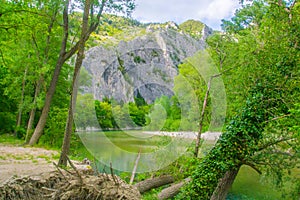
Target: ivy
x=236, y=144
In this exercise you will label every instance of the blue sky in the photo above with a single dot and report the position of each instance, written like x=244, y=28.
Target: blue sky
x=208, y=11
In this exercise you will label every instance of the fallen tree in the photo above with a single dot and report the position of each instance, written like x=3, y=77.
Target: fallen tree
x=152, y=183
x=173, y=190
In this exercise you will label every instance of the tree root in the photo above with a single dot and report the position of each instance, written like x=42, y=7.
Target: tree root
x=61, y=185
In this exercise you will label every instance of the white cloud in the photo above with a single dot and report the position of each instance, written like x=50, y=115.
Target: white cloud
x=208, y=11
x=218, y=9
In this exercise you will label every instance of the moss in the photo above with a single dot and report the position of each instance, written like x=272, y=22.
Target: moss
x=154, y=53
x=138, y=60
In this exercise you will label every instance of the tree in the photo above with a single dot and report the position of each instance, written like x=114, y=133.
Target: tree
x=26, y=51
x=259, y=133
x=86, y=30
x=65, y=54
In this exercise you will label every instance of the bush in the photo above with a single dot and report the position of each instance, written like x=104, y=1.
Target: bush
x=54, y=130
x=7, y=122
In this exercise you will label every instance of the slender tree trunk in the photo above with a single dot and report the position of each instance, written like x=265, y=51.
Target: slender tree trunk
x=197, y=146
x=224, y=185
x=196, y=152
x=33, y=111
x=85, y=33
x=79, y=59
x=63, y=56
x=61, y=60
x=43, y=118
x=19, y=118
x=41, y=79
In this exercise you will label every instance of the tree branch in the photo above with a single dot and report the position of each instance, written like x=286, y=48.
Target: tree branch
x=279, y=117
x=274, y=143
x=197, y=146
x=252, y=166
x=92, y=28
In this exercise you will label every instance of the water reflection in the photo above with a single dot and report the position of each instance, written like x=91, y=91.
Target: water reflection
x=121, y=149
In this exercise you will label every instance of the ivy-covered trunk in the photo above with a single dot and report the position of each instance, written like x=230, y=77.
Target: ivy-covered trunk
x=224, y=185
x=235, y=146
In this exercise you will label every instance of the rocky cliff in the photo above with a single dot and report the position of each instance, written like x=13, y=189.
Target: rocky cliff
x=144, y=66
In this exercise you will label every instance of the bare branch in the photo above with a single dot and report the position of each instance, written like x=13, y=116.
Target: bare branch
x=197, y=146
x=77, y=172
x=279, y=117
x=112, y=174
x=60, y=171
x=135, y=167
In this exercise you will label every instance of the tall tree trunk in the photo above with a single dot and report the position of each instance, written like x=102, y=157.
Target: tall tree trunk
x=43, y=118
x=224, y=185
x=61, y=60
x=33, y=111
x=41, y=78
x=79, y=59
x=19, y=118
x=85, y=33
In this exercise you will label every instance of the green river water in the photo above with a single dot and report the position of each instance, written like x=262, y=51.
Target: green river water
x=120, y=149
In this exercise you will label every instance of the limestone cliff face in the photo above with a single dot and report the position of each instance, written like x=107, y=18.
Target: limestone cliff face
x=145, y=66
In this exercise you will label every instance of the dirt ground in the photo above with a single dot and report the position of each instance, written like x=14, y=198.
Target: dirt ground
x=21, y=161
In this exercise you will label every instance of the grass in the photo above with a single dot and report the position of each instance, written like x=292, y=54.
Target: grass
x=249, y=186
x=10, y=139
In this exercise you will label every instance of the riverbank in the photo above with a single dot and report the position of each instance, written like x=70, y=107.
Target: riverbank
x=211, y=136
x=16, y=161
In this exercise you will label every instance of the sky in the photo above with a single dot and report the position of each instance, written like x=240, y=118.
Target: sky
x=210, y=12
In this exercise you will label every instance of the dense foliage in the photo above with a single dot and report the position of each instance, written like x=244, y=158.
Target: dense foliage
x=261, y=50
x=257, y=57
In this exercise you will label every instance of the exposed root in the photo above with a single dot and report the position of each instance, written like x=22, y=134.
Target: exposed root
x=61, y=185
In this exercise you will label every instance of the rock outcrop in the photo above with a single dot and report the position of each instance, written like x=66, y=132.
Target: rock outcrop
x=145, y=66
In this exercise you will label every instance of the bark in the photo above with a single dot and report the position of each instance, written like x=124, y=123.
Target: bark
x=152, y=183
x=61, y=60
x=224, y=185
x=32, y=112
x=172, y=190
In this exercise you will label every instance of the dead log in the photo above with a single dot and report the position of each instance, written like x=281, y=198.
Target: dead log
x=173, y=190
x=152, y=183
x=135, y=167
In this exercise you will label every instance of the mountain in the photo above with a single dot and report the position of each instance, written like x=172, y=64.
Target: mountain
x=141, y=60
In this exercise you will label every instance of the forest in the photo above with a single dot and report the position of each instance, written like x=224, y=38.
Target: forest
x=253, y=69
